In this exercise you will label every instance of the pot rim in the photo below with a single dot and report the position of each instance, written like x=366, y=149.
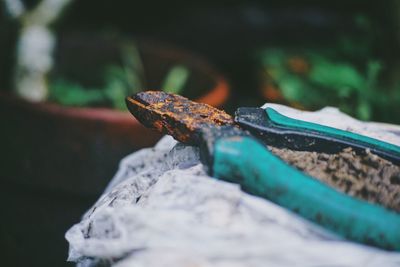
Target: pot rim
x=215, y=96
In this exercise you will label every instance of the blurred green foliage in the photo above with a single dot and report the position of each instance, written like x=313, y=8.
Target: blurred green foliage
x=344, y=74
x=175, y=79
x=119, y=82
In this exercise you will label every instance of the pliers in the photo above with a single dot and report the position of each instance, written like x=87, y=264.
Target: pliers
x=234, y=149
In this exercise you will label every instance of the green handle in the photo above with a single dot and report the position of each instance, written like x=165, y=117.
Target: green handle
x=289, y=123
x=245, y=161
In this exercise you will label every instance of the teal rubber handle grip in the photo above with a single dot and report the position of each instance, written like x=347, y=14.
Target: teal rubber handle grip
x=300, y=125
x=245, y=161
x=275, y=129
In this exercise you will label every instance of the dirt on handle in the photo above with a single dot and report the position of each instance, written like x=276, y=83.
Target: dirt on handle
x=366, y=177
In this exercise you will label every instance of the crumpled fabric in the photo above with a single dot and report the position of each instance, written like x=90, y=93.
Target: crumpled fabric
x=162, y=209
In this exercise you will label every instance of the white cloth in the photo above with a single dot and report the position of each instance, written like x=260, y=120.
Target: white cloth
x=162, y=209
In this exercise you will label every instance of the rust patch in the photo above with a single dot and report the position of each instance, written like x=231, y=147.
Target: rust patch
x=175, y=115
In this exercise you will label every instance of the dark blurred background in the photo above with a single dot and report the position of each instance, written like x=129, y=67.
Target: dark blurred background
x=228, y=33
x=307, y=54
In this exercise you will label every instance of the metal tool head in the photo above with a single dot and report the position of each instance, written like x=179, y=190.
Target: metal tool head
x=175, y=115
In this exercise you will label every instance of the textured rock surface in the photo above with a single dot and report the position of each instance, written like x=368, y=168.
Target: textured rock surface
x=367, y=176
x=161, y=209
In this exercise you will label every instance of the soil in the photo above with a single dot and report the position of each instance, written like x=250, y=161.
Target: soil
x=366, y=176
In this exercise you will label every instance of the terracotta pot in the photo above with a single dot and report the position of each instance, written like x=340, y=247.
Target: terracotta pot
x=57, y=160
x=77, y=149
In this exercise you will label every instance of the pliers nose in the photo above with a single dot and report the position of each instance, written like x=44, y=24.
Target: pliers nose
x=175, y=115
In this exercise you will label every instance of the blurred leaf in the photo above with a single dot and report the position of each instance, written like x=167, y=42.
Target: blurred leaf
x=332, y=78
x=374, y=67
x=292, y=88
x=337, y=76
x=133, y=68
x=119, y=82
x=364, y=110
x=72, y=94
x=176, y=79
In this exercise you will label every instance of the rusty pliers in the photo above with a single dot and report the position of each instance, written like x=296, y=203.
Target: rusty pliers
x=233, y=149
